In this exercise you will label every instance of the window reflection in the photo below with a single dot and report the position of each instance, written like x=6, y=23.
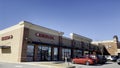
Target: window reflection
x=66, y=53
x=55, y=54
x=77, y=53
x=30, y=52
x=44, y=53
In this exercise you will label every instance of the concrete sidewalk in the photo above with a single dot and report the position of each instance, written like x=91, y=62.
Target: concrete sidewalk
x=52, y=64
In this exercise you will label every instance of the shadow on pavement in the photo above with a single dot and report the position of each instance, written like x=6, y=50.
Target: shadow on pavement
x=58, y=62
x=101, y=64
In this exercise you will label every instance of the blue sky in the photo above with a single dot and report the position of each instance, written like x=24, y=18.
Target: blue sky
x=95, y=19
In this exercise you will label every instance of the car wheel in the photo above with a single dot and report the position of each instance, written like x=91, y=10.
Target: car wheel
x=73, y=62
x=87, y=63
x=119, y=63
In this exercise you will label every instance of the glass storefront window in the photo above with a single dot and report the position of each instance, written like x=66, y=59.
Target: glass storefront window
x=49, y=53
x=66, y=53
x=55, y=54
x=77, y=53
x=30, y=52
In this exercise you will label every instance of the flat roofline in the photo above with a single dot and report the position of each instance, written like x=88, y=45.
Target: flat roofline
x=103, y=41
x=28, y=24
x=23, y=22
x=86, y=38
x=66, y=38
x=10, y=28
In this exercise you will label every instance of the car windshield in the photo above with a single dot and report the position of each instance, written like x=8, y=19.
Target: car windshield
x=88, y=56
x=93, y=56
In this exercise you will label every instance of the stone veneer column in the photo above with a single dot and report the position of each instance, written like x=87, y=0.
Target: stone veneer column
x=72, y=48
x=60, y=48
x=24, y=45
x=52, y=53
x=83, y=48
x=35, y=52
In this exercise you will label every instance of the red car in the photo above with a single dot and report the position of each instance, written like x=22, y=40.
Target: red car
x=84, y=60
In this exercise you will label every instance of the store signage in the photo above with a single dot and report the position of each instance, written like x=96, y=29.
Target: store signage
x=7, y=37
x=44, y=36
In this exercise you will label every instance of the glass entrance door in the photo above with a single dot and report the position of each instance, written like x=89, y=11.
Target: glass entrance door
x=44, y=53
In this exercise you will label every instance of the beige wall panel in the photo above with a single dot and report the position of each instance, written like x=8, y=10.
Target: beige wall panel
x=66, y=42
x=12, y=54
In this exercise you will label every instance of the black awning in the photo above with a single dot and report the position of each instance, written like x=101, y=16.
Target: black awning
x=34, y=42
x=4, y=46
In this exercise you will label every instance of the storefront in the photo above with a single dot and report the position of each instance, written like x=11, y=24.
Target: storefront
x=29, y=42
x=41, y=53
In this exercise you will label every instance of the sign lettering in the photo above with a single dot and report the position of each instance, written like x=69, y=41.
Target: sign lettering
x=44, y=36
x=7, y=37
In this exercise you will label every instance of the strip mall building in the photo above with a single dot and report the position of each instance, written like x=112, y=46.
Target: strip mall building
x=29, y=42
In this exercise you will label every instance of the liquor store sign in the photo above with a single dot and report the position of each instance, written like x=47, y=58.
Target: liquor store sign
x=7, y=37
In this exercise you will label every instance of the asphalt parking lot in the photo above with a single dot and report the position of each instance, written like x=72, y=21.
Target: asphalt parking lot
x=107, y=65
x=66, y=64
x=55, y=65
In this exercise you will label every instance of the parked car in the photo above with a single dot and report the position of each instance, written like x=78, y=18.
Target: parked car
x=118, y=61
x=101, y=59
x=84, y=60
x=112, y=58
x=94, y=57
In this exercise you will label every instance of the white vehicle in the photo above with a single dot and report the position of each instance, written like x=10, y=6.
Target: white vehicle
x=111, y=58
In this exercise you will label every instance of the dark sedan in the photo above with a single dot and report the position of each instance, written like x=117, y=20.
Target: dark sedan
x=118, y=61
x=101, y=59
